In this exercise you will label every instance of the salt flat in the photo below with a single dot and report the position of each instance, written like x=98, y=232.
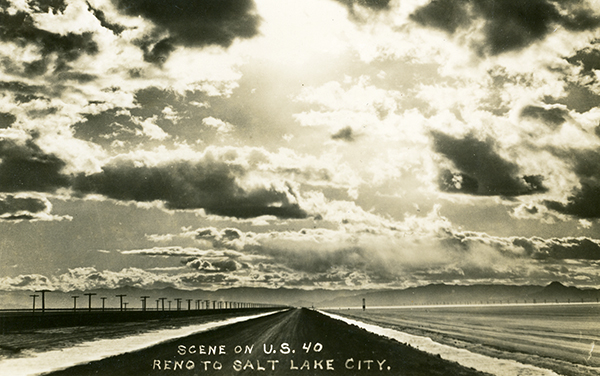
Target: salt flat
x=559, y=337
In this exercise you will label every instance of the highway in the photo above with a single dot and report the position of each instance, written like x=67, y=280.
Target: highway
x=292, y=342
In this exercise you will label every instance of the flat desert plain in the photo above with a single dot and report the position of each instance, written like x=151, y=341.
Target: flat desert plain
x=561, y=337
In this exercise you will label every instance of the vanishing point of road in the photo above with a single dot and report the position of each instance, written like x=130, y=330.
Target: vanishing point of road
x=292, y=342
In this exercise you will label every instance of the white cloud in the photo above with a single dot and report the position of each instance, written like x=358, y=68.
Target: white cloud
x=220, y=125
x=150, y=129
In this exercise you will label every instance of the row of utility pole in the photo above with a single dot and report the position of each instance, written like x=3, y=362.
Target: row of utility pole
x=160, y=303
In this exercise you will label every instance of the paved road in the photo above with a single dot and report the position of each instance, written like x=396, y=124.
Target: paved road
x=294, y=342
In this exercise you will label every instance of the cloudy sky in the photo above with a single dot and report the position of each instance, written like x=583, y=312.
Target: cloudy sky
x=314, y=143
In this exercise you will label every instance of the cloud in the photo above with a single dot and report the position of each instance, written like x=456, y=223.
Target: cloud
x=6, y=120
x=220, y=125
x=150, y=129
x=385, y=255
x=118, y=124
x=372, y=258
x=362, y=11
x=344, y=134
x=210, y=183
x=25, y=167
x=588, y=59
x=506, y=25
x=583, y=203
x=166, y=251
x=196, y=23
x=115, y=27
x=230, y=238
x=89, y=278
x=567, y=249
x=223, y=266
x=26, y=282
x=57, y=51
x=371, y=4
x=26, y=208
x=447, y=15
x=584, y=200
x=481, y=170
x=552, y=117
x=233, y=182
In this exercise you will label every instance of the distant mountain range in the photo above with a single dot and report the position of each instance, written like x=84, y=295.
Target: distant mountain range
x=430, y=294
x=473, y=294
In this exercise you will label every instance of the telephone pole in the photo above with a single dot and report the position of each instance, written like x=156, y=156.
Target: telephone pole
x=43, y=299
x=121, y=299
x=75, y=302
x=144, y=302
x=34, y=296
x=89, y=295
x=103, y=300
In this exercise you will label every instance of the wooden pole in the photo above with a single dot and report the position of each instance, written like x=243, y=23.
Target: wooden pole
x=144, y=302
x=121, y=300
x=75, y=302
x=34, y=296
x=43, y=299
x=89, y=295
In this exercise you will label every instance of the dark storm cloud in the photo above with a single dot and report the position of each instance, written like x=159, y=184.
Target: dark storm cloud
x=103, y=128
x=447, y=15
x=481, y=170
x=11, y=204
x=19, y=28
x=508, y=25
x=588, y=59
x=6, y=119
x=552, y=117
x=344, y=134
x=569, y=248
x=159, y=52
x=209, y=184
x=25, y=167
x=21, y=208
x=584, y=201
x=22, y=92
x=194, y=22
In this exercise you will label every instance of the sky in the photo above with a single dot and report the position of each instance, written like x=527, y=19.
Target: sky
x=336, y=144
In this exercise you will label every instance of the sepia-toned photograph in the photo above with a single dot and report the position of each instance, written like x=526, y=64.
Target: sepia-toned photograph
x=300, y=187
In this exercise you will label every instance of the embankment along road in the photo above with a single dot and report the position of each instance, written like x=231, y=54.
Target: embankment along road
x=292, y=342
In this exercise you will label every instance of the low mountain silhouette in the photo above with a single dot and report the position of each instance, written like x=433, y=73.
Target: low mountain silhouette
x=469, y=294
x=434, y=294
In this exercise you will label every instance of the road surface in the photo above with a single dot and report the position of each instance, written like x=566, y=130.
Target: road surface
x=294, y=342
